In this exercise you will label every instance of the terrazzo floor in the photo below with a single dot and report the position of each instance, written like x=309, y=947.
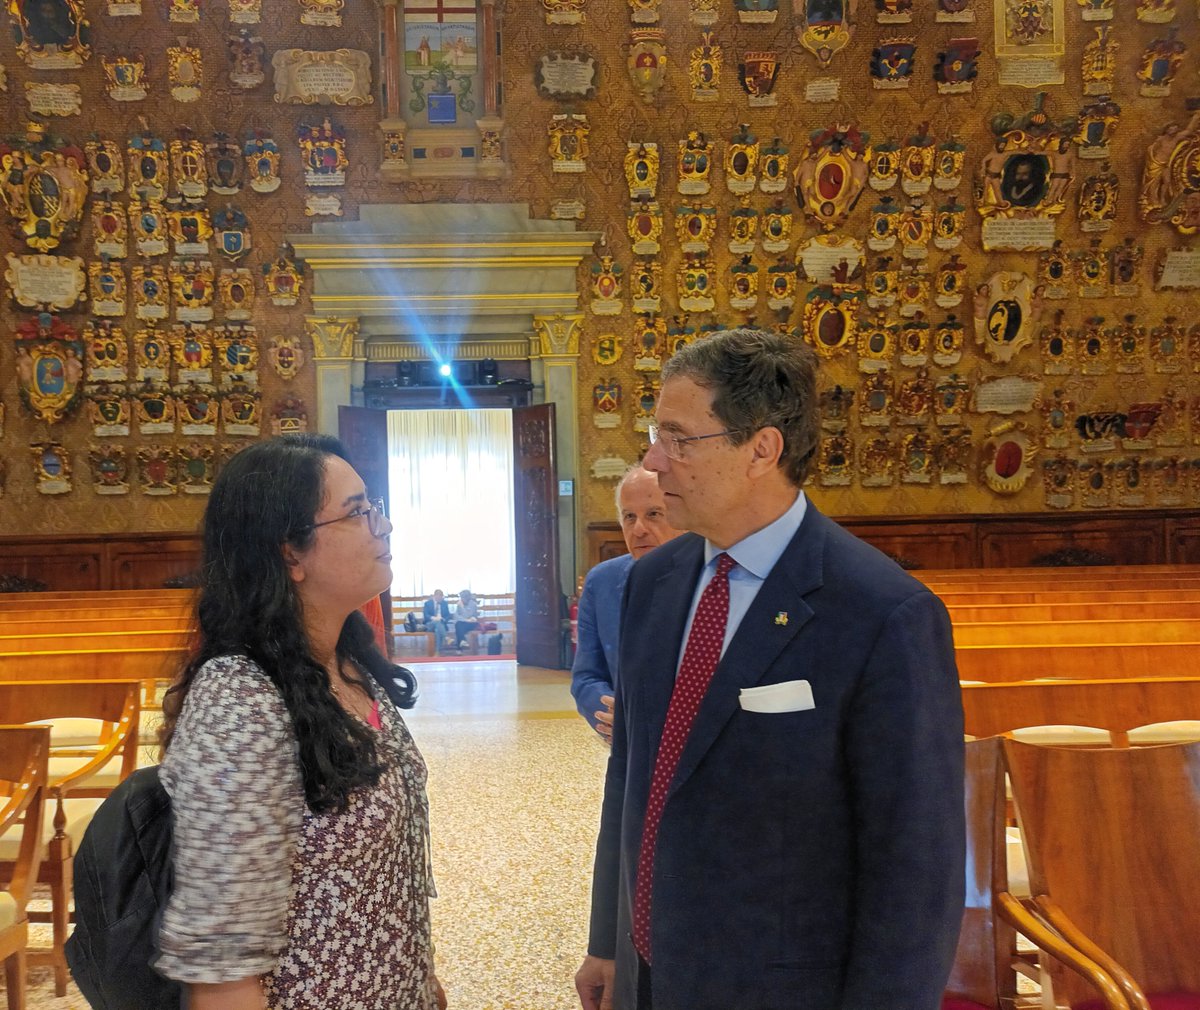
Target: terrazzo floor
x=515, y=780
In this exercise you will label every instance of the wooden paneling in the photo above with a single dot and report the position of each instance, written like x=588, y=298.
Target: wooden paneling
x=1000, y=541
x=118, y=561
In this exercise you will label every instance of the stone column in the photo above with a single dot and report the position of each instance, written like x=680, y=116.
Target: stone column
x=393, y=127
x=554, y=354
x=491, y=125
x=341, y=365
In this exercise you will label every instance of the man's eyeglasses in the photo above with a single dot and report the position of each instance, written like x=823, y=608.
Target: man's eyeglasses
x=374, y=510
x=676, y=446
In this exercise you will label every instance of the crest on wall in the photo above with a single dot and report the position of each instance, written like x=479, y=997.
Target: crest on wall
x=758, y=72
x=1006, y=309
x=148, y=172
x=704, y=69
x=1006, y=458
x=1170, y=191
x=568, y=142
x=108, y=409
x=232, y=231
x=955, y=69
x=51, y=467
x=832, y=174
x=286, y=355
x=606, y=287
x=641, y=169
x=44, y=184
x=824, y=27
x=49, y=367
x=51, y=34
x=107, y=350
x=892, y=63
x=261, y=156
x=284, y=277
x=647, y=61
x=110, y=469
x=1024, y=179
x=125, y=77
x=197, y=468
x=184, y=71
x=225, y=165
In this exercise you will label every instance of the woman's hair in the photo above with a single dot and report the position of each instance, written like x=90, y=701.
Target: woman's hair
x=267, y=496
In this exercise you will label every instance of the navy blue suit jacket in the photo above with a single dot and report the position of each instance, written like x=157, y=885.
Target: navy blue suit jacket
x=806, y=860
x=594, y=672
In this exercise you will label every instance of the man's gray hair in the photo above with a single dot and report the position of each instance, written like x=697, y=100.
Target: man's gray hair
x=621, y=484
x=758, y=379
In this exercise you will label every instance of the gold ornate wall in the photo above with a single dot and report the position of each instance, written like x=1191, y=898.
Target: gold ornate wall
x=616, y=116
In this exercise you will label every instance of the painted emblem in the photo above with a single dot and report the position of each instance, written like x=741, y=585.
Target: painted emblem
x=43, y=185
x=106, y=166
x=286, y=356
x=108, y=410
x=741, y=161
x=1006, y=458
x=824, y=27
x=695, y=283
x=323, y=152
x=51, y=34
x=225, y=165
x=568, y=144
x=756, y=12
x=694, y=164
x=955, y=69
x=832, y=174
x=606, y=403
x=641, y=169
x=647, y=62
x=1160, y=63
x=49, y=367
x=289, y=416
x=1006, y=307
x=235, y=290
x=185, y=71
x=51, y=467
x=758, y=72
x=232, y=231
x=606, y=287
x=107, y=351
x=645, y=283
x=608, y=349
x=284, y=277
x=892, y=63
x=704, y=69
x=125, y=77
x=148, y=172
x=261, y=156
x=644, y=225
x=190, y=228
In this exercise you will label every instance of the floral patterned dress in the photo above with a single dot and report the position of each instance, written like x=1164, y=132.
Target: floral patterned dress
x=331, y=910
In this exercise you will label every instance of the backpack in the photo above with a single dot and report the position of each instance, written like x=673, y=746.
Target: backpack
x=123, y=877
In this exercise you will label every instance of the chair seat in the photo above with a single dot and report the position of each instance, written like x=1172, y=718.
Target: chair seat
x=79, y=815
x=1063, y=736
x=958, y=1003
x=1157, y=1000
x=107, y=777
x=8, y=910
x=73, y=732
x=1178, y=731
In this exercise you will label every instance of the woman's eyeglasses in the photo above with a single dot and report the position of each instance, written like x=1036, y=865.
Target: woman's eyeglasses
x=374, y=510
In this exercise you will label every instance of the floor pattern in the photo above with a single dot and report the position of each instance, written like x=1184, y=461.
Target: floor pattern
x=515, y=780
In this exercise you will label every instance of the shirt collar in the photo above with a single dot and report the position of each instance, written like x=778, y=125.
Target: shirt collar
x=758, y=552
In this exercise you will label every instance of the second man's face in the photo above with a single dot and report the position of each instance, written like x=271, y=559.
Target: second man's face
x=643, y=515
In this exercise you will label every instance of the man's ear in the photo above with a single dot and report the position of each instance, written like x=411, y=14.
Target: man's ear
x=292, y=560
x=768, y=447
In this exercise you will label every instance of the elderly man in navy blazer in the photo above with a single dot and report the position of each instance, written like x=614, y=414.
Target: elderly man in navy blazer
x=644, y=526
x=783, y=813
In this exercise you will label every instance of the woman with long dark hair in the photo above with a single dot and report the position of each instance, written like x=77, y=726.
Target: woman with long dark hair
x=301, y=856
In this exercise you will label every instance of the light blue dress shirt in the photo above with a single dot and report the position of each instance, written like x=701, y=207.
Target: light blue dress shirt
x=755, y=556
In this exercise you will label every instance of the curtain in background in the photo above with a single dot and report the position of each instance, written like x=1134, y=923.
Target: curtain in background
x=450, y=482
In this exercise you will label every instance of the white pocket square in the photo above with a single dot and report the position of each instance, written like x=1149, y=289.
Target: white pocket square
x=790, y=696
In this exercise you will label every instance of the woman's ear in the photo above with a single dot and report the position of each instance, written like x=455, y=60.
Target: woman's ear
x=292, y=559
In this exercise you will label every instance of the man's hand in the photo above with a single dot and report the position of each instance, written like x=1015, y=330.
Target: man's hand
x=604, y=718
x=594, y=982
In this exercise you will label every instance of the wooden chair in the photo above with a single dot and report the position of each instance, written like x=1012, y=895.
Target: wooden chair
x=24, y=752
x=79, y=777
x=984, y=973
x=1113, y=843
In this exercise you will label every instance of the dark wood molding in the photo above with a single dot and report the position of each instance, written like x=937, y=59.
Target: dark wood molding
x=1000, y=540
x=108, y=561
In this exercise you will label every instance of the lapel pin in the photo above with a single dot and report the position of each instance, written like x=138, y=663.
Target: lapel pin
x=781, y=618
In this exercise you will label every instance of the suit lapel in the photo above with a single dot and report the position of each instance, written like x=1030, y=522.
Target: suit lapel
x=760, y=638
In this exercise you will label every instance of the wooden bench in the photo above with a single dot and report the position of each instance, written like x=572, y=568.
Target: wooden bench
x=1123, y=609
x=1052, y=632
x=1116, y=706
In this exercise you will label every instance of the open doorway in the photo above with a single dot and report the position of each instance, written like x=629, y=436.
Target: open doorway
x=450, y=485
x=534, y=522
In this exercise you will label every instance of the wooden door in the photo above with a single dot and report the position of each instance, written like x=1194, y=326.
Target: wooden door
x=535, y=489
x=364, y=433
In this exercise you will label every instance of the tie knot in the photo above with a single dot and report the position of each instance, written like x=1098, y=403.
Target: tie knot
x=724, y=564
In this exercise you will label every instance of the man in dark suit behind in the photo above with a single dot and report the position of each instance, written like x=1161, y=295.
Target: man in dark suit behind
x=798, y=842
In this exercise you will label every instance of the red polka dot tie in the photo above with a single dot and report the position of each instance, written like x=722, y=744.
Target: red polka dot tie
x=700, y=658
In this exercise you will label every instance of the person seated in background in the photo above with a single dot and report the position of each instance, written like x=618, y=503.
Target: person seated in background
x=644, y=526
x=466, y=618
x=436, y=617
